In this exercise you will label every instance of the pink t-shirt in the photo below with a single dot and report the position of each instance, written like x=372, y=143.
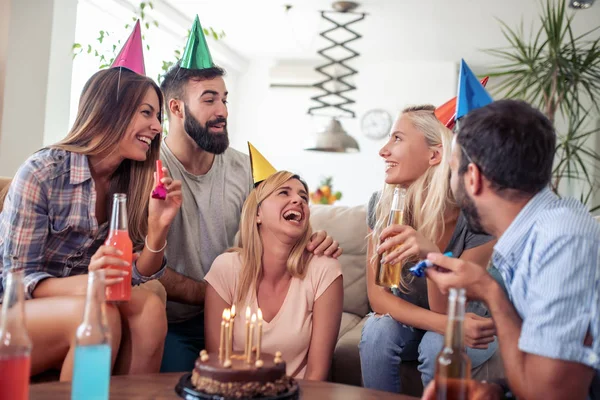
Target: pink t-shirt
x=290, y=330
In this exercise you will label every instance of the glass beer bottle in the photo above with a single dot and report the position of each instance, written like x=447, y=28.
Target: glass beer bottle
x=388, y=275
x=15, y=345
x=119, y=237
x=453, y=366
x=91, y=369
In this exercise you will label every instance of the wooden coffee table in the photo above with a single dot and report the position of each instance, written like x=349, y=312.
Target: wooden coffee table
x=162, y=387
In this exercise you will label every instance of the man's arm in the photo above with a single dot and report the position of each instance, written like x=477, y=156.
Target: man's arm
x=531, y=376
x=182, y=289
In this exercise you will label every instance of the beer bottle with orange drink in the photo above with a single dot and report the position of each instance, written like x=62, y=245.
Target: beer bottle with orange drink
x=119, y=237
x=453, y=366
x=15, y=345
x=388, y=275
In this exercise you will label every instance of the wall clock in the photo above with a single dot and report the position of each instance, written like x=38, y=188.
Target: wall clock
x=376, y=123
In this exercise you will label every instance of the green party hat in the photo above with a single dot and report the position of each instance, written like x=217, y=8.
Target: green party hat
x=196, y=54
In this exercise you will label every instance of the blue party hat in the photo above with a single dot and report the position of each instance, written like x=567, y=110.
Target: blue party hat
x=471, y=93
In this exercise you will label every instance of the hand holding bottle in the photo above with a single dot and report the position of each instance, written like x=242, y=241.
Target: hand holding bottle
x=162, y=212
x=477, y=391
x=107, y=256
x=402, y=242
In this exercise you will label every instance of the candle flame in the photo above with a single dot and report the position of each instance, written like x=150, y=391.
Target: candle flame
x=227, y=314
x=260, y=315
x=224, y=313
x=253, y=318
x=248, y=312
x=233, y=311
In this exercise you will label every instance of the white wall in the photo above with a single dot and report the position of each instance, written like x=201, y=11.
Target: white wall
x=275, y=120
x=40, y=35
x=4, y=24
x=409, y=54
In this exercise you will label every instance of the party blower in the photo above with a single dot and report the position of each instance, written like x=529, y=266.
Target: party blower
x=159, y=192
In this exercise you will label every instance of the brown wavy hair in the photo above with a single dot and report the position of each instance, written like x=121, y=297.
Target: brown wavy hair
x=107, y=105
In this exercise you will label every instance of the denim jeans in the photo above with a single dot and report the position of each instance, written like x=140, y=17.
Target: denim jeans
x=183, y=344
x=432, y=344
x=385, y=343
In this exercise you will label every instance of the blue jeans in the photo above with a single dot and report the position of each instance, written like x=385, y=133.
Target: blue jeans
x=385, y=343
x=183, y=344
x=432, y=344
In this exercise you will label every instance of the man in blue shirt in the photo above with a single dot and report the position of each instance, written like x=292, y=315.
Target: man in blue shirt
x=546, y=306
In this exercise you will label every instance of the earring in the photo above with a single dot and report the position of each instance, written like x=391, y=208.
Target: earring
x=258, y=221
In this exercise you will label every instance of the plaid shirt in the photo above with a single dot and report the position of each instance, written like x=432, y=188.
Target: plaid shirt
x=48, y=225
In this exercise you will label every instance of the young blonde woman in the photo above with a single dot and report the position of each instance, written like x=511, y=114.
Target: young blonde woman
x=55, y=221
x=300, y=294
x=408, y=323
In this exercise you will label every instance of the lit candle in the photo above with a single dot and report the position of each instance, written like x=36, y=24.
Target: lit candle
x=259, y=335
x=247, y=332
x=230, y=339
x=227, y=328
x=222, y=338
x=252, y=322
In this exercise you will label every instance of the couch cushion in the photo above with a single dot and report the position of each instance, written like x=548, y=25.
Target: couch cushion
x=348, y=226
x=349, y=321
x=346, y=359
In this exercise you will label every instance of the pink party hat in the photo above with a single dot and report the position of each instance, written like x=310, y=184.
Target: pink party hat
x=131, y=55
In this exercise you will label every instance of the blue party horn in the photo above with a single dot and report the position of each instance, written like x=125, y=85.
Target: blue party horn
x=419, y=269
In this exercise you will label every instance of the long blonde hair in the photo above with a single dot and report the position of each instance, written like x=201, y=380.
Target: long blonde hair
x=107, y=105
x=430, y=195
x=251, y=250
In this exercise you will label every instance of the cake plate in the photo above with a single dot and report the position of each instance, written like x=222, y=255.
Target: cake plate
x=186, y=390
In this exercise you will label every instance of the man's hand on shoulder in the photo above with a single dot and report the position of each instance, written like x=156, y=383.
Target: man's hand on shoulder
x=322, y=244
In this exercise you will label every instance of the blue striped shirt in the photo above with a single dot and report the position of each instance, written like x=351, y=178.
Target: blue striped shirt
x=549, y=259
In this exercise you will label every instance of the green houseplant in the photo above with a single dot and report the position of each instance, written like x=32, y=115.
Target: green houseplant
x=559, y=72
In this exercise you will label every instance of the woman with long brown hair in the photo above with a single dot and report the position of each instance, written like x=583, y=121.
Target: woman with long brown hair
x=300, y=294
x=55, y=221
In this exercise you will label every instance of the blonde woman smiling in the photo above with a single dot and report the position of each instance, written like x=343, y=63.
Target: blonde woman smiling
x=300, y=294
x=409, y=322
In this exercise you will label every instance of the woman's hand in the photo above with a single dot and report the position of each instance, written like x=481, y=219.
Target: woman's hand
x=109, y=256
x=479, y=331
x=162, y=212
x=402, y=242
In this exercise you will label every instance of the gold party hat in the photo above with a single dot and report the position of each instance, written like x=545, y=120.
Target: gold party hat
x=261, y=168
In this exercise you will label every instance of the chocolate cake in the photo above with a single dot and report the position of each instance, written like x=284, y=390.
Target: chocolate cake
x=238, y=379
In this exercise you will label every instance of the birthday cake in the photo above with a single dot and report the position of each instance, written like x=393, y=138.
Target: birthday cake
x=238, y=379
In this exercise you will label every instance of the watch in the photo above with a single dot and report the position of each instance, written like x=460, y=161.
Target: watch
x=376, y=123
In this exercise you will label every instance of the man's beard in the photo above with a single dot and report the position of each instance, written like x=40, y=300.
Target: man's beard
x=467, y=205
x=215, y=143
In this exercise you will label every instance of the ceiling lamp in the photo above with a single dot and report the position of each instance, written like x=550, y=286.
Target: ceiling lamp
x=333, y=139
x=581, y=4
x=333, y=101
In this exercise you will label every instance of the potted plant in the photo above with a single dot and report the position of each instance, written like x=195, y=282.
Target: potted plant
x=558, y=72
